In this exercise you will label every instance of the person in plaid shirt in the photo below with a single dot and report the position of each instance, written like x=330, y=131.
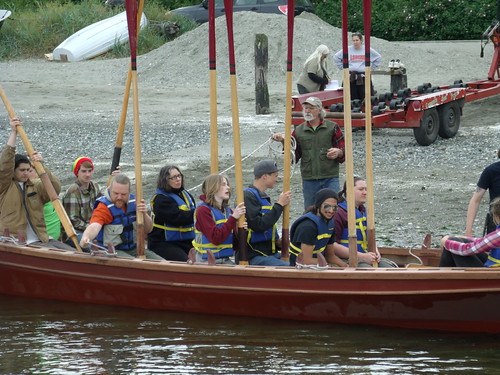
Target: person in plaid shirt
x=79, y=198
x=463, y=251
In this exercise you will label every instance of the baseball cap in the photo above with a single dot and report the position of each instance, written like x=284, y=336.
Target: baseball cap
x=265, y=167
x=312, y=100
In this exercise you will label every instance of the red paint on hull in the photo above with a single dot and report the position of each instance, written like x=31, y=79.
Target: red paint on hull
x=429, y=298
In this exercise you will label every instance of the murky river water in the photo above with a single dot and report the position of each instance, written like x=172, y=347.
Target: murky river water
x=49, y=337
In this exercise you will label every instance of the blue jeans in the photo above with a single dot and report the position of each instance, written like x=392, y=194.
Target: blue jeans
x=311, y=187
x=271, y=260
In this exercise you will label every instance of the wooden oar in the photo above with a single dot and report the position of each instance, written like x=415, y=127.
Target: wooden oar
x=61, y=212
x=370, y=230
x=131, y=7
x=285, y=233
x=214, y=144
x=351, y=212
x=123, y=115
x=238, y=169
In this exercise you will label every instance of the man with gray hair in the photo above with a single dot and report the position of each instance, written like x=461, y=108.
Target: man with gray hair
x=114, y=219
x=320, y=145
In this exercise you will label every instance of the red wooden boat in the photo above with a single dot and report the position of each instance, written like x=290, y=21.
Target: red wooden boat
x=423, y=297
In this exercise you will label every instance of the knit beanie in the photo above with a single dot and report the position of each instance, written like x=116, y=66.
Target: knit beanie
x=323, y=194
x=78, y=163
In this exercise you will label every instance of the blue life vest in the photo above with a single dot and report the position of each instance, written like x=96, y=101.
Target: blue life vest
x=361, y=239
x=201, y=243
x=325, y=232
x=172, y=232
x=493, y=257
x=270, y=234
x=120, y=232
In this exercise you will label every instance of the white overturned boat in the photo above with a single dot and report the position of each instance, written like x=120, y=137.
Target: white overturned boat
x=4, y=14
x=95, y=39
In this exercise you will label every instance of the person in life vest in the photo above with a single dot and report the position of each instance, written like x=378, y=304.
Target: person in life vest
x=263, y=239
x=114, y=220
x=365, y=258
x=214, y=222
x=172, y=208
x=463, y=251
x=489, y=180
x=312, y=233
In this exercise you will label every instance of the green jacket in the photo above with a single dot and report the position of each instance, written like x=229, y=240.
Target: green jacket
x=12, y=212
x=314, y=144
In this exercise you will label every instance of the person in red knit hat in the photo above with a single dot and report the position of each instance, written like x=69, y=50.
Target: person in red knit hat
x=79, y=198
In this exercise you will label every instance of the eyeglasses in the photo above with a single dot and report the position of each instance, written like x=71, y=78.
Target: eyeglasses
x=330, y=207
x=175, y=177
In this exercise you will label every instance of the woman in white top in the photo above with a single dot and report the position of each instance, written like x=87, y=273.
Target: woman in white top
x=314, y=76
x=357, y=65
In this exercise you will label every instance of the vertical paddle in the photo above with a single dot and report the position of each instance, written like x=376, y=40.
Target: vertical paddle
x=238, y=169
x=370, y=230
x=123, y=115
x=351, y=214
x=214, y=145
x=285, y=233
x=61, y=212
x=131, y=7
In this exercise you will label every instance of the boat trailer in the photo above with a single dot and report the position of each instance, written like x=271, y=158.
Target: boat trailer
x=429, y=110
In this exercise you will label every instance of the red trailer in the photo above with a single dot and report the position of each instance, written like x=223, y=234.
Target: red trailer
x=429, y=111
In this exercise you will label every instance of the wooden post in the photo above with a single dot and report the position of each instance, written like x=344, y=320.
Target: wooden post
x=261, y=62
x=398, y=79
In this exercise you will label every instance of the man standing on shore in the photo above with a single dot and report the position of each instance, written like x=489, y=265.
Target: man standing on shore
x=320, y=145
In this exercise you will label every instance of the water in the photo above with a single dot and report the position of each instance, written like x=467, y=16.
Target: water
x=50, y=337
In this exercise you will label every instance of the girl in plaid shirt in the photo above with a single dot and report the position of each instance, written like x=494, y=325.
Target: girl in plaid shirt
x=463, y=251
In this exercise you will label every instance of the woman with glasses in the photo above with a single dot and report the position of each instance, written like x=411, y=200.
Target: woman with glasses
x=172, y=209
x=312, y=233
x=365, y=258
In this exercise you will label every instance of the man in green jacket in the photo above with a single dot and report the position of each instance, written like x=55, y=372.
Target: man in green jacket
x=320, y=147
x=22, y=200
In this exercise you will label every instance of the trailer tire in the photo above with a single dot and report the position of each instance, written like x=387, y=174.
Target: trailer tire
x=449, y=119
x=426, y=134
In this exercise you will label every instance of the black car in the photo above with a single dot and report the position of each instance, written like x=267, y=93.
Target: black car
x=199, y=13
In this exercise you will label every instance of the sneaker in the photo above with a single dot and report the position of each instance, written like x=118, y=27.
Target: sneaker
x=397, y=64
x=391, y=64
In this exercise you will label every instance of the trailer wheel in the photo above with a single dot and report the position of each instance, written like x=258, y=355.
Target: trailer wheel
x=449, y=119
x=427, y=133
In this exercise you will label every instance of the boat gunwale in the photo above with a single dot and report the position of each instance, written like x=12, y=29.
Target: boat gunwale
x=335, y=273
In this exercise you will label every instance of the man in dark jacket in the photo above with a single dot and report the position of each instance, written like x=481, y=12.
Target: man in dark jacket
x=262, y=216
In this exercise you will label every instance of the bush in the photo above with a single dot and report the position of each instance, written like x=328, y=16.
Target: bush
x=416, y=19
x=36, y=28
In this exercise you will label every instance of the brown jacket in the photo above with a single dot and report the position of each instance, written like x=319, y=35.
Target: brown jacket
x=13, y=200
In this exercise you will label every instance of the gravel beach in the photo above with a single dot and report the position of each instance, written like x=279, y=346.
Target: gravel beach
x=72, y=109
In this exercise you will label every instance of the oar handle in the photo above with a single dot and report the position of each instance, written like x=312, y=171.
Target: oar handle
x=51, y=192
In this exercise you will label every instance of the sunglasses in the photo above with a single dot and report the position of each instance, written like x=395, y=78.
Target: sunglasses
x=330, y=207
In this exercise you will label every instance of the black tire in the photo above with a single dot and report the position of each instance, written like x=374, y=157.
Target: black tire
x=428, y=131
x=421, y=89
x=449, y=119
x=376, y=111
x=393, y=104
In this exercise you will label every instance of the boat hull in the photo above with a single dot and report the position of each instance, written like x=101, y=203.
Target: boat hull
x=95, y=39
x=425, y=298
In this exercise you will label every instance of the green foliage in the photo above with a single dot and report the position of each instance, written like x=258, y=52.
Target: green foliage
x=415, y=19
x=37, y=27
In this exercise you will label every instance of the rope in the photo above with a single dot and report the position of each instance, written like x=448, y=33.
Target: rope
x=315, y=267
x=273, y=152
x=11, y=239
